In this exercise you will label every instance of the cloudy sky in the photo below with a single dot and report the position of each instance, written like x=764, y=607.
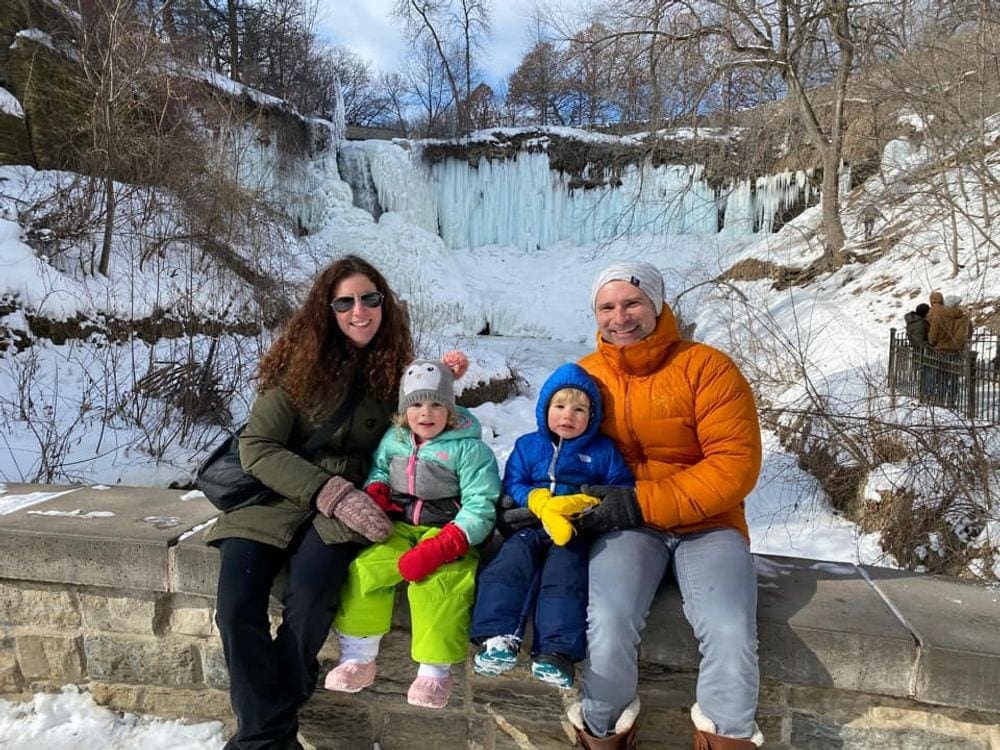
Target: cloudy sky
x=367, y=27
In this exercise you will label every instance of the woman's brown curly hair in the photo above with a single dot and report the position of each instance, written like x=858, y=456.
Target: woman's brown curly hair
x=314, y=362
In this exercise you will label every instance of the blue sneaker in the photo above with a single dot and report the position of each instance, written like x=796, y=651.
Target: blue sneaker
x=554, y=669
x=498, y=655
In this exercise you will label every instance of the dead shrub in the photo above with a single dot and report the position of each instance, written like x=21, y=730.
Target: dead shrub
x=494, y=390
x=923, y=536
x=191, y=388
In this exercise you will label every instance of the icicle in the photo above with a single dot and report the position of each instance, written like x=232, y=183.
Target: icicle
x=383, y=179
x=337, y=116
x=352, y=161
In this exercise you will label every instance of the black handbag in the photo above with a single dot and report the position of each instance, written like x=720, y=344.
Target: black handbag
x=221, y=477
x=222, y=480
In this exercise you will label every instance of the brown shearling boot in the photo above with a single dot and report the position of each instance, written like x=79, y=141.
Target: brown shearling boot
x=706, y=739
x=622, y=741
x=624, y=737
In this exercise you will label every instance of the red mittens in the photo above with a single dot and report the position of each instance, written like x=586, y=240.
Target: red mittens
x=431, y=554
x=382, y=495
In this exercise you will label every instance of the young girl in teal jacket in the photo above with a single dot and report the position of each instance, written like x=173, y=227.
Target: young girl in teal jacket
x=439, y=481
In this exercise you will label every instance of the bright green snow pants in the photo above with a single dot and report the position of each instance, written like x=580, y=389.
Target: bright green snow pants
x=440, y=604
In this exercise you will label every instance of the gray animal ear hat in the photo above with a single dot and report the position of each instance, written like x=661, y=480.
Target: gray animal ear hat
x=638, y=273
x=427, y=380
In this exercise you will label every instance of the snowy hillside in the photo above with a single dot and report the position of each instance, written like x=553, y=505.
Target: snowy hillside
x=95, y=408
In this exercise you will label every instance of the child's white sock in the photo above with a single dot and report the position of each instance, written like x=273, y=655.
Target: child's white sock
x=437, y=671
x=358, y=648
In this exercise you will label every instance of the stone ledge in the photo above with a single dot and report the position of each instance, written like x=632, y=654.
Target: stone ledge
x=868, y=630
x=827, y=625
x=956, y=626
x=116, y=537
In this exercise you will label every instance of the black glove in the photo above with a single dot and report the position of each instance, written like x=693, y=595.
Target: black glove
x=511, y=518
x=618, y=509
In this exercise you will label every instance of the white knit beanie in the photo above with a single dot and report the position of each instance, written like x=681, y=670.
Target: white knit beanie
x=427, y=380
x=952, y=300
x=637, y=273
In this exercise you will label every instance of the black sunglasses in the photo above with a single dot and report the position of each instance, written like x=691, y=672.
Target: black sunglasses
x=368, y=299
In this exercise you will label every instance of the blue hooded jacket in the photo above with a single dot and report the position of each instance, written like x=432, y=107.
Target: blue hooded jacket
x=543, y=459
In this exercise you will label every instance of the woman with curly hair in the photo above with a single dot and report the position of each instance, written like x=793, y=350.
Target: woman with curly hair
x=337, y=362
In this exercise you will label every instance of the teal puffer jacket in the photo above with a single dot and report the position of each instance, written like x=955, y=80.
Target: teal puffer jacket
x=461, y=451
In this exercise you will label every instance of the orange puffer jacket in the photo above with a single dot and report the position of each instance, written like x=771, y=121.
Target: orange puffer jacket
x=684, y=417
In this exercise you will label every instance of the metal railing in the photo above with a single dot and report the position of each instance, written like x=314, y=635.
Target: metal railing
x=967, y=382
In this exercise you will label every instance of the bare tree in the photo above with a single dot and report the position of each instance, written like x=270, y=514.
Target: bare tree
x=453, y=29
x=217, y=22
x=538, y=86
x=590, y=75
x=950, y=89
x=809, y=45
x=368, y=98
x=393, y=87
x=428, y=87
x=116, y=62
x=482, y=107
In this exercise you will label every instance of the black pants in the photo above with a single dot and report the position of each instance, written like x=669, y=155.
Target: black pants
x=270, y=678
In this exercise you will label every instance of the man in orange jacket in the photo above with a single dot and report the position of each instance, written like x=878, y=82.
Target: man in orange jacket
x=684, y=417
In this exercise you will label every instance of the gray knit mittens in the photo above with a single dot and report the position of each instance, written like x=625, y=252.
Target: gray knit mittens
x=339, y=499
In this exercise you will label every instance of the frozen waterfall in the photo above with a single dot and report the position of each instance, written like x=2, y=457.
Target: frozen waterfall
x=521, y=201
x=383, y=178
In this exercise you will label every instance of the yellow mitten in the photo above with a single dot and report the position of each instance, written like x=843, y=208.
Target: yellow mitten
x=538, y=500
x=554, y=512
x=570, y=505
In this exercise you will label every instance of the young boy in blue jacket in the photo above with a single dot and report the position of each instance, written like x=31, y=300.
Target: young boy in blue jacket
x=543, y=570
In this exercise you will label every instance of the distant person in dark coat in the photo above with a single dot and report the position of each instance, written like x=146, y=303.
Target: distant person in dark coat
x=917, y=328
x=917, y=325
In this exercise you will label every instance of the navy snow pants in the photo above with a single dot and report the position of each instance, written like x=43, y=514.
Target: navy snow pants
x=529, y=575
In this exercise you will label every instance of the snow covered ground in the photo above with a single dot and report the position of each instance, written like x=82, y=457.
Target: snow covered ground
x=836, y=331
x=70, y=720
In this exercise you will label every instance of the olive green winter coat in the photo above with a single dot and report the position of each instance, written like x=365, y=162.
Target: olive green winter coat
x=267, y=451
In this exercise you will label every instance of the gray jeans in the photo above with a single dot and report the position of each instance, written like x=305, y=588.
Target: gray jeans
x=715, y=574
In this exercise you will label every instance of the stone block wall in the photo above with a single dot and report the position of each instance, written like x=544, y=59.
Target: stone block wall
x=159, y=652
x=131, y=648
x=851, y=659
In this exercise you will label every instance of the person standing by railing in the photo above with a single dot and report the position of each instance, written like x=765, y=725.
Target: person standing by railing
x=949, y=334
x=936, y=300
x=917, y=325
x=917, y=328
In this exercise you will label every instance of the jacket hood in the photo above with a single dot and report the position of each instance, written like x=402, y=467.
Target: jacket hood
x=912, y=317
x=646, y=356
x=569, y=375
